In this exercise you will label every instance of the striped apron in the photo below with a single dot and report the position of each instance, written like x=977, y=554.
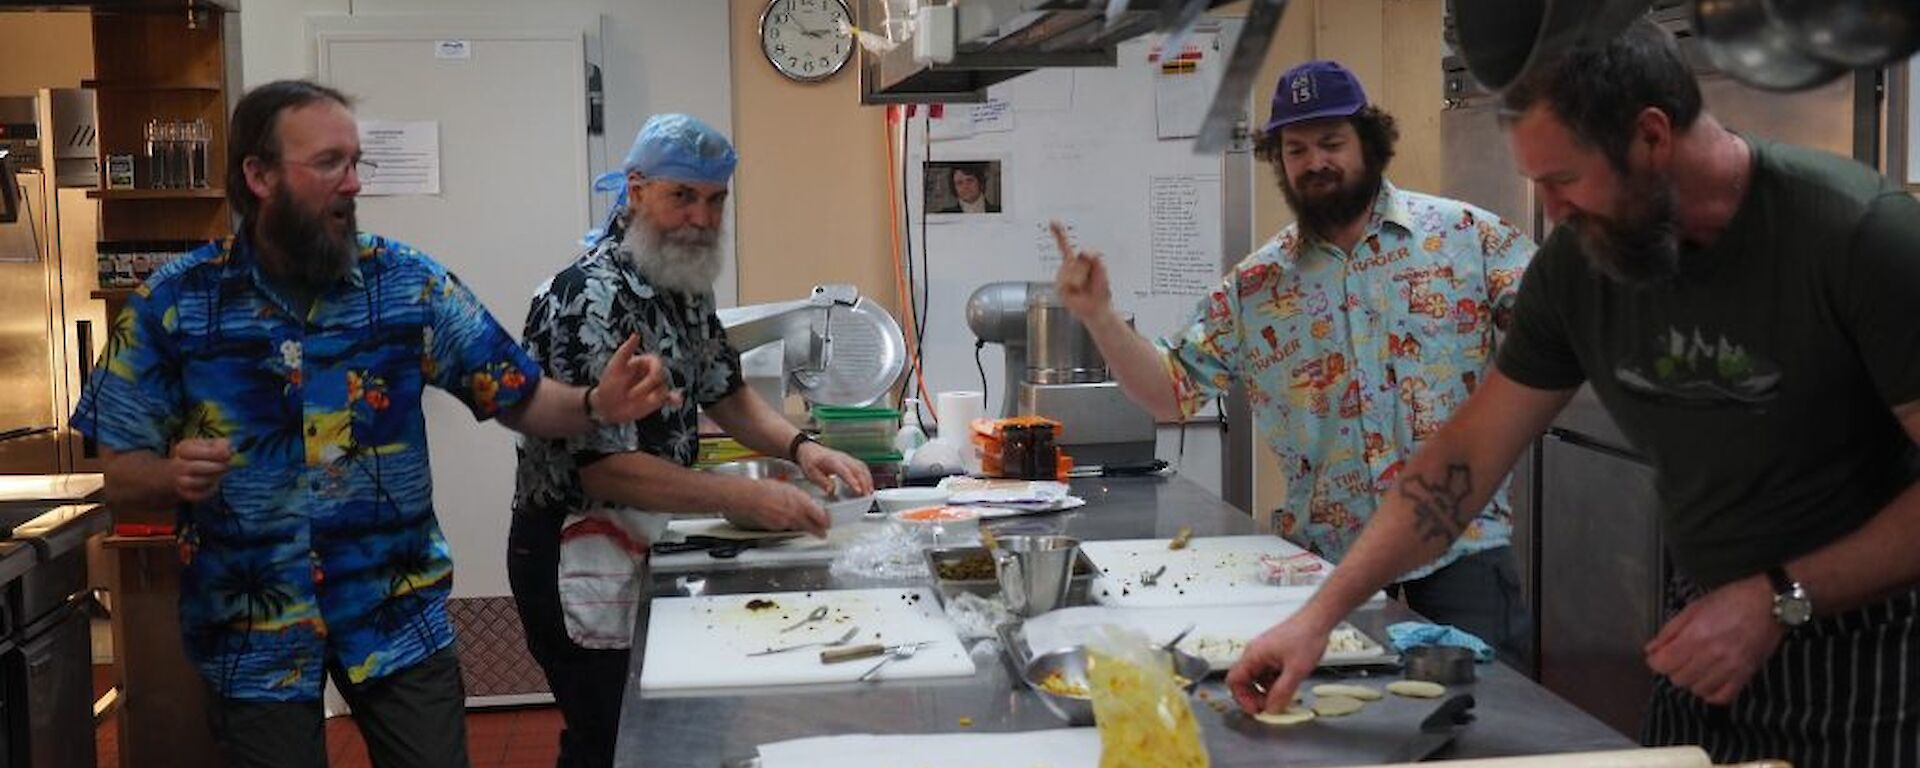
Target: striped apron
x=1842, y=690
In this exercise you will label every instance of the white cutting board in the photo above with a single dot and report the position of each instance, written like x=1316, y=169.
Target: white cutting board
x=1220, y=632
x=703, y=642
x=1058, y=748
x=1210, y=570
x=795, y=551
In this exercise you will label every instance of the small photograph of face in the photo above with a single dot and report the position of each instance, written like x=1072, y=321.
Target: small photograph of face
x=963, y=186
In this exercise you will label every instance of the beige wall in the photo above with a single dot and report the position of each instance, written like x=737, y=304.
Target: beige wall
x=45, y=49
x=812, y=185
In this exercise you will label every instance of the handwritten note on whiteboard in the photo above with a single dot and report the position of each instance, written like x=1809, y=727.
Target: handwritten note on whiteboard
x=1182, y=262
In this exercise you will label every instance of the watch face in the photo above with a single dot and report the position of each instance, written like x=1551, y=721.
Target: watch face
x=803, y=38
x=1792, y=611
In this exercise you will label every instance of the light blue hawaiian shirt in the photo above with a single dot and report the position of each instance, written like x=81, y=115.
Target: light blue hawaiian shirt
x=1352, y=360
x=321, y=545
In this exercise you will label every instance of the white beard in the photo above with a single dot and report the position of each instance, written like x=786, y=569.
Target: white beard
x=687, y=260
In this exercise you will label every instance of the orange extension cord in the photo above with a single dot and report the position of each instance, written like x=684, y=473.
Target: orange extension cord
x=899, y=262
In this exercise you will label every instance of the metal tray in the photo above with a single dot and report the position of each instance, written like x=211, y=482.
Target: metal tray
x=1083, y=573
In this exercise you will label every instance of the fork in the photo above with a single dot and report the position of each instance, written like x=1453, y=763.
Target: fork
x=899, y=652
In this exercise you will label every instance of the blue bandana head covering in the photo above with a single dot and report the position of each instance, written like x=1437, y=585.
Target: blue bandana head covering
x=674, y=146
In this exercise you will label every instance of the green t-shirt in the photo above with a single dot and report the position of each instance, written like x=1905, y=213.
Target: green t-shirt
x=1761, y=380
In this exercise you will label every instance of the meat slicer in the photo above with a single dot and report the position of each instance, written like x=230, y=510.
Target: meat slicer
x=834, y=347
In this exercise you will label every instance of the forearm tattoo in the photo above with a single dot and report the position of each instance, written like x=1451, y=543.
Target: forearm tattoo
x=1439, y=508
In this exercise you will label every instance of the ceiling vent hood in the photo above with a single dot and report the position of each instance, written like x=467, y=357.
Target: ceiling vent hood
x=993, y=40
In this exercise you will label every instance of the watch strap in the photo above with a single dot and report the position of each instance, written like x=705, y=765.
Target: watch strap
x=1782, y=583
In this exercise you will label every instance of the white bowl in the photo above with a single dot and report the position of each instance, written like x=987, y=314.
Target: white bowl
x=940, y=526
x=902, y=499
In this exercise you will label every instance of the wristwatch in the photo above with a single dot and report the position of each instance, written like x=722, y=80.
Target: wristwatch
x=1791, y=605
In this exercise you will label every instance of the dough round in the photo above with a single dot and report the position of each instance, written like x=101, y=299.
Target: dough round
x=1336, y=706
x=1360, y=692
x=1293, y=716
x=1419, y=689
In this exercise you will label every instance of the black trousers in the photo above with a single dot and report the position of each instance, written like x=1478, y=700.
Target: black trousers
x=1842, y=690
x=414, y=718
x=587, y=683
x=1479, y=593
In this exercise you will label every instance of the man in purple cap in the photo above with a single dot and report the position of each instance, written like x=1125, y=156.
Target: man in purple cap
x=1357, y=330
x=587, y=507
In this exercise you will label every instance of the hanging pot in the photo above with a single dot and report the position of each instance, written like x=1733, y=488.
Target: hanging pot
x=1745, y=41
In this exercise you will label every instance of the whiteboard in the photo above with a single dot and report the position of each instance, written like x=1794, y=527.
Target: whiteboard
x=1082, y=145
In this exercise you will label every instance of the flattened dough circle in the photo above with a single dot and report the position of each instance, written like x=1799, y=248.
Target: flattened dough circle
x=1336, y=706
x=1418, y=689
x=1361, y=692
x=1293, y=716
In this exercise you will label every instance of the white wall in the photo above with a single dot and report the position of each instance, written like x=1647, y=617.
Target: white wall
x=656, y=56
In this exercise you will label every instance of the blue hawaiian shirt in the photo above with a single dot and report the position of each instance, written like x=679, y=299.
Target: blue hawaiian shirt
x=321, y=545
x=1352, y=360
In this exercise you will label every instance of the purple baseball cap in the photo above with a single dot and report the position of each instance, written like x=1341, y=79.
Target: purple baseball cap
x=1315, y=90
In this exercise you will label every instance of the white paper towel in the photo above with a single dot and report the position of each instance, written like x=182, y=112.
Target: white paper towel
x=958, y=410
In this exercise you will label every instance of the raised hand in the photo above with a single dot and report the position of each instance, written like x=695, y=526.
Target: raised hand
x=633, y=386
x=1082, y=281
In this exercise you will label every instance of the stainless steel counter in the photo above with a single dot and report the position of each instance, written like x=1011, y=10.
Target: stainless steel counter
x=1515, y=716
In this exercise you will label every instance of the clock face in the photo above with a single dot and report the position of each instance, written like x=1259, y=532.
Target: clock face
x=803, y=38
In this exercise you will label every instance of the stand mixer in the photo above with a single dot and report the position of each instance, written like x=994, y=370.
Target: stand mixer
x=1054, y=370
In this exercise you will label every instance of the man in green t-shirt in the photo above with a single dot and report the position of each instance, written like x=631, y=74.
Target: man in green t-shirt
x=1746, y=311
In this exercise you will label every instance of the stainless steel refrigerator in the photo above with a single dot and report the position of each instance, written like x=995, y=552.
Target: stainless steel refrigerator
x=50, y=324
x=1586, y=511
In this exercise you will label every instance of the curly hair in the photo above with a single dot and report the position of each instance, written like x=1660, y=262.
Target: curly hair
x=1378, y=132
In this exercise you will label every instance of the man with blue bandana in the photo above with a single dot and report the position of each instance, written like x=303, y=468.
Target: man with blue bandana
x=586, y=507
x=267, y=389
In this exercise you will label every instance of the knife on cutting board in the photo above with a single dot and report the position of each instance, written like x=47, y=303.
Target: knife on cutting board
x=867, y=651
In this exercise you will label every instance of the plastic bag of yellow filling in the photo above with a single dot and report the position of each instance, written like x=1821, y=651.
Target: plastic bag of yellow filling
x=1143, y=715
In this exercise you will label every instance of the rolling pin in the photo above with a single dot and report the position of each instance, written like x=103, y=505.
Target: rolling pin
x=1663, y=757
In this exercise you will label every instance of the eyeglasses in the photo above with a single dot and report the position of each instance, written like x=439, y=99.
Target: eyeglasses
x=333, y=169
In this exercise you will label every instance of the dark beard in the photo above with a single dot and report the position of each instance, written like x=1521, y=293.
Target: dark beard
x=1321, y=215
x=1642, y=246
x=302, y=251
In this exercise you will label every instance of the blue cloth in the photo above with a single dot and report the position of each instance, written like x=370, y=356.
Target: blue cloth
x=1315, y=90
x=321, y=543
x=1408, y=635
x=670, y=146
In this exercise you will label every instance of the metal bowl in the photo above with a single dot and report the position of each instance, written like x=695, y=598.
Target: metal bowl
x=1071, y=663
x=842, y=511
x=1443, y=664
x=762, y=468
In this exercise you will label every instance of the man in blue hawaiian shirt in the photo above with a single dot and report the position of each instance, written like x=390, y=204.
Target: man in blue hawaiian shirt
x=586, y=506
x=269, y=388
x=1356, y=331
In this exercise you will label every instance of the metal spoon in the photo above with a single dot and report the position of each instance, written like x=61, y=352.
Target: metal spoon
x=817, y=614
x=899, y=652
x=851, y=631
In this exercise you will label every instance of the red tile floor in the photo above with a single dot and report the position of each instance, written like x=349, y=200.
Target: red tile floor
x=527, y=737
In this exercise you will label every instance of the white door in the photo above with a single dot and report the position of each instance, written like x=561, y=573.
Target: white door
x=510, y=105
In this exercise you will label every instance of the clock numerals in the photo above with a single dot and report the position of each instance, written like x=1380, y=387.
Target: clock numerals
x=807, y=39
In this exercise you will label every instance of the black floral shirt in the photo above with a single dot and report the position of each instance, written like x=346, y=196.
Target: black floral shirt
x=578, y=319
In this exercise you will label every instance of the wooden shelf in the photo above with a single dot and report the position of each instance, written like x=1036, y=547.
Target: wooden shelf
x=112, y=294
x=203, y=193
x=206, y=87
